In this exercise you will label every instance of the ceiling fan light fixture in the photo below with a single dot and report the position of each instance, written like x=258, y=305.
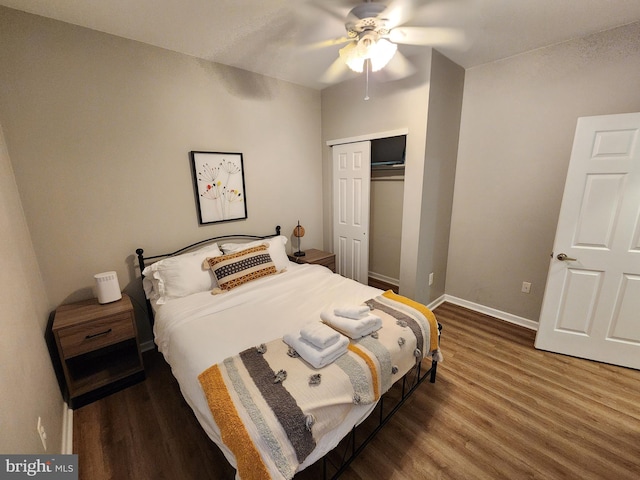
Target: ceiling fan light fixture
x=352, y=57
x=379, y=51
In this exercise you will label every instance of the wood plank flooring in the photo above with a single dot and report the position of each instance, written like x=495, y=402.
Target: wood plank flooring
x=382, y=285
x=499, y=409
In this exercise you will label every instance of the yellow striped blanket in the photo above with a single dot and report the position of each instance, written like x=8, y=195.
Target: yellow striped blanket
x=272, y=407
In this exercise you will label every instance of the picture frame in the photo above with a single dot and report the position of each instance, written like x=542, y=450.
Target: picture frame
x=218, y=181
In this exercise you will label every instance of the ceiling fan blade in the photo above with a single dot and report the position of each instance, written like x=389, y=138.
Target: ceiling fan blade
x=326, y=43
x=399, y=12
x=432, y=36
x=336, y=72
x=399, y=67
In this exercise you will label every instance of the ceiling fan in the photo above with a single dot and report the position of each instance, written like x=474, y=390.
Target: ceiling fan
x=373, y=31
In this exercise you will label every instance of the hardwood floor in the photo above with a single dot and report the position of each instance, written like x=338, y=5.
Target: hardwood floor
x=382, y=285
x=499, y=409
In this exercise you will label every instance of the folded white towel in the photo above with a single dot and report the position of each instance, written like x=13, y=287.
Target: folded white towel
x=314, y=355
x=352, y=311
x=364, y=326
x=319, y=334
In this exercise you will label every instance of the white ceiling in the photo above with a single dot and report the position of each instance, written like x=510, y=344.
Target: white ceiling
x=264, y=36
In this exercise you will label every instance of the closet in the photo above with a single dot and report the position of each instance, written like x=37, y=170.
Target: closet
x=368, y=189
x=385, y=215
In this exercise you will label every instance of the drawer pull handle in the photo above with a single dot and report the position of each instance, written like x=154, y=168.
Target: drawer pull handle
x=98, y=334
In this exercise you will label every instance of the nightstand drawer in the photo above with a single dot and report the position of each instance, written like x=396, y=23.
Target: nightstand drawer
x=95, y=334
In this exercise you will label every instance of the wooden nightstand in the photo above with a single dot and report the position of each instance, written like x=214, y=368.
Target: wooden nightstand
x=317, y=257
x=98, y=348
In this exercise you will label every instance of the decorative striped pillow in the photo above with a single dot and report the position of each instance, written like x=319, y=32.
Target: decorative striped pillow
x=241, y=267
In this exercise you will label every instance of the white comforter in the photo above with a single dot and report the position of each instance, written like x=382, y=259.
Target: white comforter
x=200, y=330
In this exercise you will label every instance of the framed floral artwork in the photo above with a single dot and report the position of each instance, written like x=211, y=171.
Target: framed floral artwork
x=218, y=180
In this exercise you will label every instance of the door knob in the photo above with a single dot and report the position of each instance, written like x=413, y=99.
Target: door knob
x=563, y=258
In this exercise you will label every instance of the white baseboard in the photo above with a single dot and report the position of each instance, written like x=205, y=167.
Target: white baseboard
x=67, y=430
x=436, y=303
x=507, y=317
x=384, y=278
x=146, y=346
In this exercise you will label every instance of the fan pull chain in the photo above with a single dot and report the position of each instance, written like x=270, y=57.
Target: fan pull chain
x=366, y=90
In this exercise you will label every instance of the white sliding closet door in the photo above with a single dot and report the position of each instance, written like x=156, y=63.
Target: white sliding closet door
x=351, y=184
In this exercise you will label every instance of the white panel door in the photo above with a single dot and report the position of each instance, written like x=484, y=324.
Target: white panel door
x=351, y=184
x=591, y=306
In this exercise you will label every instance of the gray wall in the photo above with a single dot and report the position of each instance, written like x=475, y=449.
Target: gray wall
x=427, y=101
x=99, y=129
x=518, y=120
x=29, y=388
x=441, y=151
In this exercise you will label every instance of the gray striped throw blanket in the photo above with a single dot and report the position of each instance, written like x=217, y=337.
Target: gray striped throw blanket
x=272, y=408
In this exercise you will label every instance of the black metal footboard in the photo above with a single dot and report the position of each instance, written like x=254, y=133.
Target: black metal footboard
x=351, y=446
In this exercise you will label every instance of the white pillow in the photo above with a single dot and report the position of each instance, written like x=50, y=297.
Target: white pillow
x=276, y=249
x=182, y=275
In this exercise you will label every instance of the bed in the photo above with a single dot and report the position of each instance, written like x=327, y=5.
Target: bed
x=227, y=315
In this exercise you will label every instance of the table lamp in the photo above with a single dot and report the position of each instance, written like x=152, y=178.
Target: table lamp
x=298, y=232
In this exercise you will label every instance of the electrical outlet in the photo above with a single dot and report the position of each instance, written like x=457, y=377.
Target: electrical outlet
x=42, y=433
x=431, y=278
x=526, y=287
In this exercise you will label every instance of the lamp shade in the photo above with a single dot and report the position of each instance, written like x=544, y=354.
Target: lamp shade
x=298, y=231
x=107, y=287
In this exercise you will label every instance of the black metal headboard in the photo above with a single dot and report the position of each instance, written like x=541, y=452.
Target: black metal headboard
x=142, y=259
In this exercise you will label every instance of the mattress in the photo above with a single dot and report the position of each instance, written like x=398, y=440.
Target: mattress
x=200, y=330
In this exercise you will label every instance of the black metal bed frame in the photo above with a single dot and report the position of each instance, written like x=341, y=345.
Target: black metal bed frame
x=142, y=259
x=351, y=448
x=410, y=382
